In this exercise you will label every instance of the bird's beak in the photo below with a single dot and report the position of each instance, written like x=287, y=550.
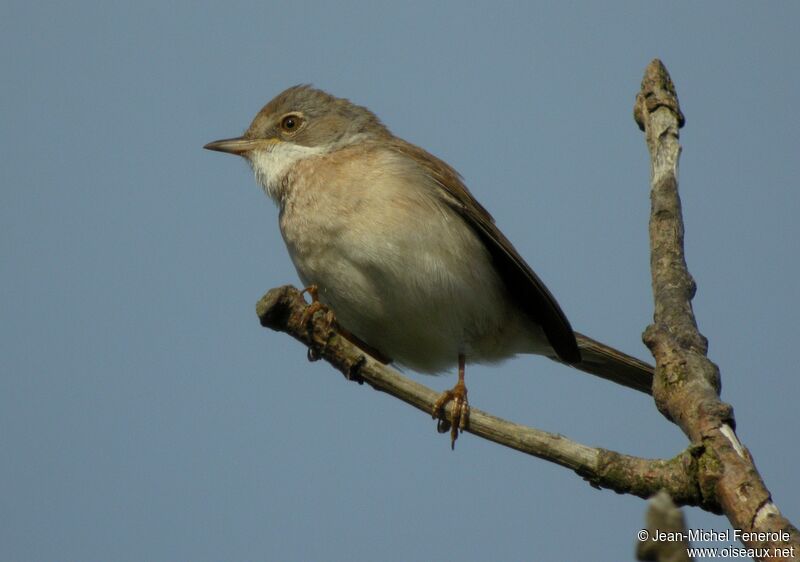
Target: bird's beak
x=239, y=145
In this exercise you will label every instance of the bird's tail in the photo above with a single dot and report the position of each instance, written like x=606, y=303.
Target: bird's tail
x=606, y=362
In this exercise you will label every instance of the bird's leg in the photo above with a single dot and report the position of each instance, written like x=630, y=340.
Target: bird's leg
x=315, y=305
x=315, y=352
x=457, y=395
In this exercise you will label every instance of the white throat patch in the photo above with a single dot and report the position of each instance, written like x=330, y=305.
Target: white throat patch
x=272, y=164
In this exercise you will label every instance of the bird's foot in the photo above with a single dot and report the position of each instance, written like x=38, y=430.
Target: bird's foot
x=330, y=319
x=460, y=412
x=315, y=352
x=315, y=305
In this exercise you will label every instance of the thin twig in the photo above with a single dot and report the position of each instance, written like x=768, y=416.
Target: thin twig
x=664, y=538
x=283, y=309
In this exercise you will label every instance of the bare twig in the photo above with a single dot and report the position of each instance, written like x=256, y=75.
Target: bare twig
x=686, y=386
x=664, y=538
x=283, y=309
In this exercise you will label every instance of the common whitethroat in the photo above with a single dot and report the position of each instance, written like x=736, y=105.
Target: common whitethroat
x=396, y=245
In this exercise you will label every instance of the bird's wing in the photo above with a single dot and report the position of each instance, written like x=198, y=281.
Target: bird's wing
x=523, y=284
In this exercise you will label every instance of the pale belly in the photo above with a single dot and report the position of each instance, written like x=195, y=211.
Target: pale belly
x=417, y=285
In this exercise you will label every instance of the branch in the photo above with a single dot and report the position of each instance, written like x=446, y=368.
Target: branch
x=663, y=517
x=284, y=309
x=687, y=384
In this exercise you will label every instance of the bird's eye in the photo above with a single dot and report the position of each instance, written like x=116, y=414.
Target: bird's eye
x=291, y=123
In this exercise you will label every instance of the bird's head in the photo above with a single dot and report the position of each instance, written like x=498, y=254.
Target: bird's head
x=299, y=123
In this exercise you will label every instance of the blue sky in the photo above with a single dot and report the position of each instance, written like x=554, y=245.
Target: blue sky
x=146, y=415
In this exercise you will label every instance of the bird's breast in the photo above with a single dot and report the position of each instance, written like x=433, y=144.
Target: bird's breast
x=400, y=268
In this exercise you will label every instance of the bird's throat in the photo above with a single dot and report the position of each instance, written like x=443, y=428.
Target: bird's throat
x=273, y=164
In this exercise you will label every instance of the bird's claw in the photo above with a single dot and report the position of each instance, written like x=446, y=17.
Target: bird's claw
x=315, y=352
x=460, y=411
x=315, y=305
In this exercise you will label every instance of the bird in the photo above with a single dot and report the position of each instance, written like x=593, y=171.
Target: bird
x=389, y=237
